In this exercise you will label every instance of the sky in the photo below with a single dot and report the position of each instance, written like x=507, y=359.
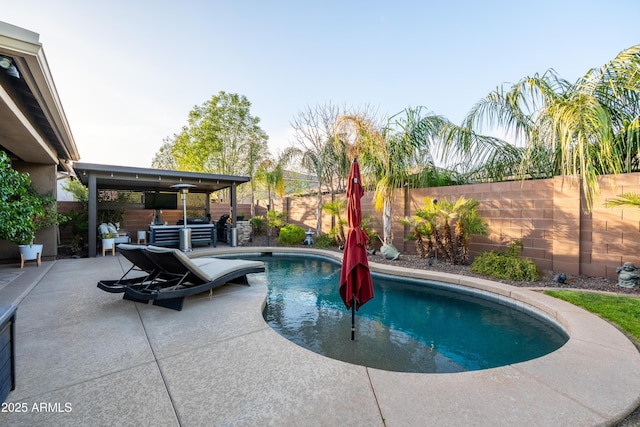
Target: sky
x=129, y=72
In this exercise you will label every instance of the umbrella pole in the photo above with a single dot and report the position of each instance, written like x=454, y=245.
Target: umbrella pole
x=353, y=311
x=353, y=317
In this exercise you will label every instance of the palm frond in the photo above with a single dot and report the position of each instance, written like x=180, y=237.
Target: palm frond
x=626, y=199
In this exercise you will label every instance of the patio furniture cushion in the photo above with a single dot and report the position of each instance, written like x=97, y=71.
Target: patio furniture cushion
x=181, y=276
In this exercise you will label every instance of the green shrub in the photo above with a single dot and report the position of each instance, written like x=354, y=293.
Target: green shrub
x=276, y=219
x=23, y=211
x=506, y=265
x=257, y=224
x=275, y=222
x=291, y=235
x=324, y=241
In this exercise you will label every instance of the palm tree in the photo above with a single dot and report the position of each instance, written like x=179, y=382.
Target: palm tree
x=256, y=154
x=318, y=160
x=580, y=130
x=447, y=227
x=626, y=199
x=336, y=209
x=392, y=156
x=271, y=173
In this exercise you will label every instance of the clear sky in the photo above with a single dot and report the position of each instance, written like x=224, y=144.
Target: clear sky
x=129, y=72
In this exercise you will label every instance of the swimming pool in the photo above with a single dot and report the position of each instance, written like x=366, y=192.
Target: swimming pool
x=410, y=325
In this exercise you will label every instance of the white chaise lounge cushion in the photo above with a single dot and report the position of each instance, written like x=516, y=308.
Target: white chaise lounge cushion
x=208, y=269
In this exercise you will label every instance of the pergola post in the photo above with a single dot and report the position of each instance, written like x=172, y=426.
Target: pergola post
x=207, y=204
x=93, y=209
x=234, y=205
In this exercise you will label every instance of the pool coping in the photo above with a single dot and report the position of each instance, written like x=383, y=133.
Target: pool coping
x=593, y=379
x=117, y=362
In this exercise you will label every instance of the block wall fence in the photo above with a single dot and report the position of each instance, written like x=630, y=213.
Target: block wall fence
x=547, y=215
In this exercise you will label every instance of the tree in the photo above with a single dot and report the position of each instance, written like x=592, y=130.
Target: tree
x=394, y=155
x=313, y=129
x=221, y=137
x=164, y=158
x=256, y=153
x=580, y=130
x=445, y=228
x=271, y=173
x=336, y=209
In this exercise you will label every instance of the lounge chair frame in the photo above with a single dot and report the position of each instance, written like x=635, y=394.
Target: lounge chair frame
x=172, y=276
x=140, y=263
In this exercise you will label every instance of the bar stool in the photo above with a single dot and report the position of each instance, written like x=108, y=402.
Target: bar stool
x=142, y=237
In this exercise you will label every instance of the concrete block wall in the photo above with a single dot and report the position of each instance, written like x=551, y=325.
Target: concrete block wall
x=549, y=216
x=610, y=236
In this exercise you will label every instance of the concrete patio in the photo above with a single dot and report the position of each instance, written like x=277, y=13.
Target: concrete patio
x=95, y=359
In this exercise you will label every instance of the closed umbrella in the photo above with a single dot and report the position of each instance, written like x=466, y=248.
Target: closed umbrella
x=356, y=287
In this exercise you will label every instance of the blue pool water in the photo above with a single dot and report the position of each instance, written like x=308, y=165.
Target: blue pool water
x=409, y=326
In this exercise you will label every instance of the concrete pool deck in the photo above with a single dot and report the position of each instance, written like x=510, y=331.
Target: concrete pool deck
x=93, y=358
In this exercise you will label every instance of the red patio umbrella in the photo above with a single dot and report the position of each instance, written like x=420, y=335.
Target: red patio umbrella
x=356, y=287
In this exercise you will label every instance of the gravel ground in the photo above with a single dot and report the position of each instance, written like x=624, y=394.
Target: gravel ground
x=546, y=281
x=413, y=261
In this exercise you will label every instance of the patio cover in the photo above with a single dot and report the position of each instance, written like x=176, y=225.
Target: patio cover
x=33, y=126
x=108, y=177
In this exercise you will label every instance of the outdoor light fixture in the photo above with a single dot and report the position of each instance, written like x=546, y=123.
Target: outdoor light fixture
x=7, y=64
x=184, y=189
x=185, y=233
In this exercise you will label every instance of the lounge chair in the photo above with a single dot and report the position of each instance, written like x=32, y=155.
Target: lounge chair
x=140, y=263
x=182, y=276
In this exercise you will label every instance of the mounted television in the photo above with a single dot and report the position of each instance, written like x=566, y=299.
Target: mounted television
x=160, y=200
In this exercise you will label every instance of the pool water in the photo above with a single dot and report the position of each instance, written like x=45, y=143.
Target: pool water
x=408, y=326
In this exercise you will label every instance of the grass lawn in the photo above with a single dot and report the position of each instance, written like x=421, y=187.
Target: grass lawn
x=623, y=311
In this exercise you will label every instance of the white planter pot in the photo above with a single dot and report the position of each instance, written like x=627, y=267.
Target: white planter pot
x=108, y=245
x=30, y=253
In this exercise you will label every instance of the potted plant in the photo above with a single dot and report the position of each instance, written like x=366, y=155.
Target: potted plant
x=108, y=241
x=24, y=210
